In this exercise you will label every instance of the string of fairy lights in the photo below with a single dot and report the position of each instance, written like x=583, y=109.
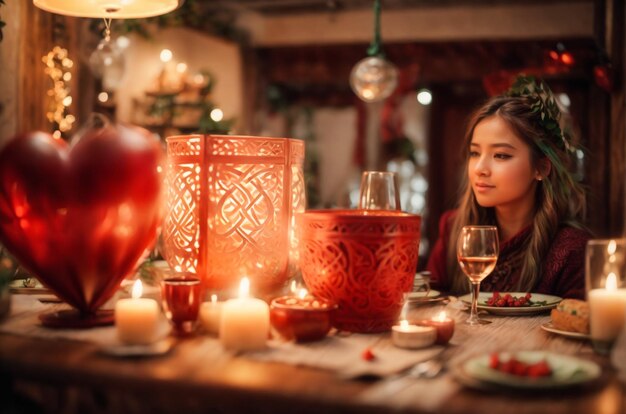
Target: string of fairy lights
x=58, y=68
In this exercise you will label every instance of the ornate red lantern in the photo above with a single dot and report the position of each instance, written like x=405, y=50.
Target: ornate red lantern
x=230, y=206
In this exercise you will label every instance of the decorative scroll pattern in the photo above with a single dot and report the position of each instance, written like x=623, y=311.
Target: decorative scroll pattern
x=251, y=195
x=249, y=146
x=181, y=146
x=363, y=263
x=181, y=225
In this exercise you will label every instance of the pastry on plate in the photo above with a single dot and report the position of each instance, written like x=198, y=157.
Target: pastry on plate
x=571, y=315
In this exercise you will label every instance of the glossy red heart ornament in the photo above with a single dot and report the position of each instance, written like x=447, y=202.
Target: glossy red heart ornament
x=80, y=218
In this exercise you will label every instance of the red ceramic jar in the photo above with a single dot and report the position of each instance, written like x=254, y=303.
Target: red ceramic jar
x=362, y=260
x=301, y=319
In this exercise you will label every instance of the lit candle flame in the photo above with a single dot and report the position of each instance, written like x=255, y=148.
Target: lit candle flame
x=404, y=323
x=611, y=247
x=244, y=288
x=137, y=289
x=294, y=287
x=441, y=317
x=213, y=298
x=302, y=293
x=611, y=282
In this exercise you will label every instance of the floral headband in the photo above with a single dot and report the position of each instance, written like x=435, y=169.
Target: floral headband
x=542, y=101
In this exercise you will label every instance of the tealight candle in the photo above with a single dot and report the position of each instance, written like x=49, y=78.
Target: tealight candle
x=606, y=311
x=406, y=335
x=245, y=321
x=443, y=325
x=302, y=318
x=137, y=318
x=210, y=315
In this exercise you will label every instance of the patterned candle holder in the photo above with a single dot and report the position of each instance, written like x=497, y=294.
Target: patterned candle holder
x=230, y=205
x=362, y=260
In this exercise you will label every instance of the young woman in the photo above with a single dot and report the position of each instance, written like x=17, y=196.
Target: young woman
x=517, y=179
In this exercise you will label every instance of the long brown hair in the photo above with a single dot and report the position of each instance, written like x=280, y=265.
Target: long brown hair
x=560, y=199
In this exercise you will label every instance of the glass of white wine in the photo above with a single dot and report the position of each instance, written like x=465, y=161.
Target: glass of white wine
x=477, y=251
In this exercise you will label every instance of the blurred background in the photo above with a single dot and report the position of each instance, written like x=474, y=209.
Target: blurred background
x=282, y=68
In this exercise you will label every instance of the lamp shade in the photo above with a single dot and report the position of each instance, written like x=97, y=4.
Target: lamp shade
x=110, y=9
x=230, y=209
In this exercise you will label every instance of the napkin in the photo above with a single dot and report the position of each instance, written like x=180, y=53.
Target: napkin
x=343, y=353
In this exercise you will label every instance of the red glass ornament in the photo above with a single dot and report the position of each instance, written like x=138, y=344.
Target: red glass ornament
x=181, y=297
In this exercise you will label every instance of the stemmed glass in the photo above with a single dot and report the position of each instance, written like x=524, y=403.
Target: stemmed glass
x=477, y=251
x=379, y=191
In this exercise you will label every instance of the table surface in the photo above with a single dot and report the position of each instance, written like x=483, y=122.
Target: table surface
x=71, y=375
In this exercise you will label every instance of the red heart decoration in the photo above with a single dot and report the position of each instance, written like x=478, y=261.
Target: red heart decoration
x=80, y=218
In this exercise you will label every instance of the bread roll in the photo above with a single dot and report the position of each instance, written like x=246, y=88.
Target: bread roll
x=571, y=315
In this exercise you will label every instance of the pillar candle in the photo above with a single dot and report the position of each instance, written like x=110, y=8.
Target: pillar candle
x=137, y=318
x=210, y=315
x=606, y=310
x=245, y=321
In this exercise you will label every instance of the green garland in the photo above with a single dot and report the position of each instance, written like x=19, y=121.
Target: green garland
x=542, y=101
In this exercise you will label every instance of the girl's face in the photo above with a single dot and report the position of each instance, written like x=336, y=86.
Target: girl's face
x=500, y=170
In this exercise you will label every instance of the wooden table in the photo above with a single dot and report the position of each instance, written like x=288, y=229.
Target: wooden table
x=72, y=376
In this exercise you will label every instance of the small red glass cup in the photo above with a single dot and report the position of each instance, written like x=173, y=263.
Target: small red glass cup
x=301, y=319
x=444, y=327
x=181, y=298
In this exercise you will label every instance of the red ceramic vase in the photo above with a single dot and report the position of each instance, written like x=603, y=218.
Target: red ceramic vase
x=80, y=218
x=364, y=261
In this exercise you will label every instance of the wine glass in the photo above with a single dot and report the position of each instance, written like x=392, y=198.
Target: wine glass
x=379, y=191
x=477, y=251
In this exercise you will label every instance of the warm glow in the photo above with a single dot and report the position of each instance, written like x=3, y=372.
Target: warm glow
x=611, y=247
x=244, y=288
x=294, y=287
x=181, y=67
x=302, y=293
x=123, y=42
x=103, y=97
x=217, y=115
x=611, y=282
x=137, y=289
x=425, y=97
x=110, y=9
x=404, y=323
x=166, y=55
x=213, y=298
x=441, y=317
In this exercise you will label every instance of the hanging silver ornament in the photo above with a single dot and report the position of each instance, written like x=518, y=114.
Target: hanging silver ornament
x=374, y=78
x=107, y=62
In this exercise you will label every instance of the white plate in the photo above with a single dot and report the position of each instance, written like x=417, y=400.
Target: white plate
x=566, y=371
x=550, y=328
x=551, y=302
x=418, y=295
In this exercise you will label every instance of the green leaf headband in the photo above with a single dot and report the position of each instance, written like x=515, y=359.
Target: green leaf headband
x=542, y=101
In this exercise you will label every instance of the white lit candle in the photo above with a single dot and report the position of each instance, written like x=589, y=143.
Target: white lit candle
x=137, y=318
x=606, y=310
x=406, y=335
x=245, y=321
x=210, y=315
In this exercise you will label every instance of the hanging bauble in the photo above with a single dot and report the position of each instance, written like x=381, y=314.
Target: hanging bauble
x=374, y=78
x=107, y=62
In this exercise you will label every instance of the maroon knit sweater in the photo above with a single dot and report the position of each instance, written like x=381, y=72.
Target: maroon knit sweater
x=562, y=271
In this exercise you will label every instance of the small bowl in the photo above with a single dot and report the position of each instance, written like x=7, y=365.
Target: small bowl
x=301, y=319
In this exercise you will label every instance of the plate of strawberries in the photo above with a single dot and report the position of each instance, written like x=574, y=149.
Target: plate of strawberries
x=528, y=370
x=514, y=303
